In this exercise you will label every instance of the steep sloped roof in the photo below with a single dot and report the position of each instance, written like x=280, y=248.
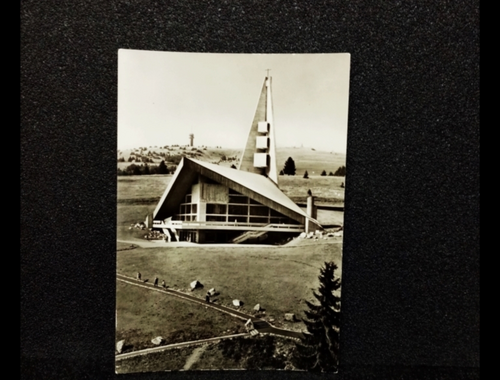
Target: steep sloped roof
x=255, y=182
x=255, y=185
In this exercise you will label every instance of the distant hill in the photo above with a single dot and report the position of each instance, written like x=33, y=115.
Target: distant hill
x=305, y=158
x=311, y=160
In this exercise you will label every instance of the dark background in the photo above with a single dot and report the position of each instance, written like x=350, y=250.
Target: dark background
x=410, y=296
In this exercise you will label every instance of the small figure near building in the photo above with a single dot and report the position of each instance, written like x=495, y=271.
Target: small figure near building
x=138, y=275
x=156, y=281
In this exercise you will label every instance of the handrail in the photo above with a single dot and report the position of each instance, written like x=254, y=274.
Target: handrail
x=175, y=223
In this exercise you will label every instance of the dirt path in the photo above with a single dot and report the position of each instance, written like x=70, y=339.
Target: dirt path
x=194, y=357
x=145, y=243
x=175, y=244
x=146, y=351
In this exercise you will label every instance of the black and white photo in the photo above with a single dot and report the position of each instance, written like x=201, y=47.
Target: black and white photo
x=231, y=175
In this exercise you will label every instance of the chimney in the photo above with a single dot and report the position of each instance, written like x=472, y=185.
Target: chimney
x=311, y=212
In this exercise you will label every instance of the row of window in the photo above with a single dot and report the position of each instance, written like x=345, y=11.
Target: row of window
x=222, y=209
x=236, y=219
x=240, y=209
x=185, y=218
x=188, y=208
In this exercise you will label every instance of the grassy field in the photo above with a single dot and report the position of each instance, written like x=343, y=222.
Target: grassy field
x=145, y=314
x=142, y=187
x=311, y=160
x=327, y=189
x=279, y=278
x=261, y=352
x=169, y=360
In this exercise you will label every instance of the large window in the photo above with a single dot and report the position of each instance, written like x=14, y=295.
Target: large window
x=213, y=208
x=238, y=210
x=259, y=210
x=240, y=199
x=216, y=218
x=216, y=212
x=187, y=211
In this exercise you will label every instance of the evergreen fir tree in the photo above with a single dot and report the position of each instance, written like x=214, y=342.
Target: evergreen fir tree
x=340, y=171
x=162, y=168
x=289, y=168
x=319, y=349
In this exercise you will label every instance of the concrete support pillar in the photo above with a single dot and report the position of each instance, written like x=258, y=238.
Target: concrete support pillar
x=201, y=212
x=167, y=233
x=311, y=210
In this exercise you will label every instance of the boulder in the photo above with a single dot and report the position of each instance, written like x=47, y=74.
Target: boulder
x=302, y=235
x=211, y=291
x=157, y=341
x=257, y=307
x=195, y=284
x=290, y=317
x=237, y=303
x=119, y=346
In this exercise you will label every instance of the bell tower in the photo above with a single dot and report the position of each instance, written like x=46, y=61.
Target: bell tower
x=259, y=155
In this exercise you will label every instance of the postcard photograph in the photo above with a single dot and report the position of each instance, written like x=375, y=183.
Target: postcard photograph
x=230, y=210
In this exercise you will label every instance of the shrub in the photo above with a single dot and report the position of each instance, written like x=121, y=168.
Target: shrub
x=340, y=172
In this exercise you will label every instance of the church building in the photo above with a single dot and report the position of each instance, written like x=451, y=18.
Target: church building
x=208, y=203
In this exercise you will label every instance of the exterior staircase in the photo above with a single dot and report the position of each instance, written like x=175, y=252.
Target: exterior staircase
x=248, y=235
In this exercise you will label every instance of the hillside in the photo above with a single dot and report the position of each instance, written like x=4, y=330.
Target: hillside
x=172, y=154
x=311, y=160
x=305, y=158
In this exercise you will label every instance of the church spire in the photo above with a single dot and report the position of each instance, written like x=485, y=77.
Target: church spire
x=259, y=155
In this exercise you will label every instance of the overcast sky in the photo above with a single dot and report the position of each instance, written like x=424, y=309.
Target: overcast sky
x=164, y=96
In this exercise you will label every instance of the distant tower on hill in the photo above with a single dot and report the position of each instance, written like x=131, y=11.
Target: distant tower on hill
x=191, y=138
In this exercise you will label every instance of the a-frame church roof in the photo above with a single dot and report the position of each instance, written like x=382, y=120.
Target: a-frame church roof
x=255, y=186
